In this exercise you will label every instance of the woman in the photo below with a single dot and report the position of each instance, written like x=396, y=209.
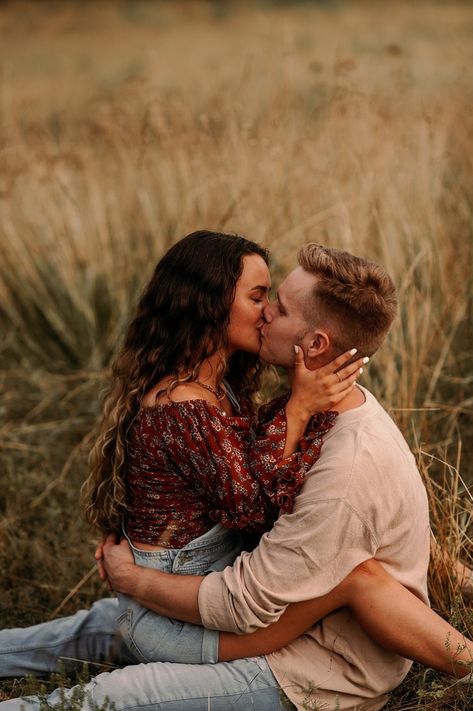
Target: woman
x=176, y=452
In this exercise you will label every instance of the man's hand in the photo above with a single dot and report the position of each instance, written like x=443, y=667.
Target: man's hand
x=99, y=560
x=115, y=563
x=167, y=594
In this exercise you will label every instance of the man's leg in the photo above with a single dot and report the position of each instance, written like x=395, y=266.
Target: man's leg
x=89, y=635
x=237, y=686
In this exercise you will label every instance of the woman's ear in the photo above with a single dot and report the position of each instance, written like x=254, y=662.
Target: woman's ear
x=318, y=345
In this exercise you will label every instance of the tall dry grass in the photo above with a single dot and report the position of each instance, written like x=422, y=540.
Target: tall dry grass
x=124, y=126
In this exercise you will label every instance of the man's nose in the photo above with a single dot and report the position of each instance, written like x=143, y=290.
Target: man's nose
x=268, y=313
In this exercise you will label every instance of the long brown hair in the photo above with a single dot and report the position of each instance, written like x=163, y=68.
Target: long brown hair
x=181, y=319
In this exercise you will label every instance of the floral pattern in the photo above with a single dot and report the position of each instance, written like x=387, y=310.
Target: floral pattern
x=191, y=465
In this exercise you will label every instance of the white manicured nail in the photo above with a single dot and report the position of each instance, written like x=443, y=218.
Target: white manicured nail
x=353, y=351
x=361, y=370
x=296, y=349
x=366, y=360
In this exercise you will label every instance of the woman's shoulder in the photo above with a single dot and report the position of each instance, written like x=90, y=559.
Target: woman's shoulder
x=186, y=405
x=182, y=393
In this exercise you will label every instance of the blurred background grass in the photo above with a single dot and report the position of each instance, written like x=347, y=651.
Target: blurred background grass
x=124, y=125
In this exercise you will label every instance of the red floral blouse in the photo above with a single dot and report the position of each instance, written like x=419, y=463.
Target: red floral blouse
x=191, y=465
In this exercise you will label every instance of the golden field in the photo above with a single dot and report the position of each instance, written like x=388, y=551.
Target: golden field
x=124, y=125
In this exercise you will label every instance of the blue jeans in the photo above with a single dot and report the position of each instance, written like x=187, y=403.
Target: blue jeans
x=153, y=638
x=92, y=635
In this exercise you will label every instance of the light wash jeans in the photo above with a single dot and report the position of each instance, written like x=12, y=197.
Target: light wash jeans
x=92, y=635
x=153, y=638
x=95, y=636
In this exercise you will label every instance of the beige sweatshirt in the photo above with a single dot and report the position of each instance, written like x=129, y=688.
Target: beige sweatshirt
x=363, y=499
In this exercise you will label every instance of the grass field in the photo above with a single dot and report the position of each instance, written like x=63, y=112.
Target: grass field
x=124, y=125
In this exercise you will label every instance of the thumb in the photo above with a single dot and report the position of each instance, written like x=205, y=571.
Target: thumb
x=299, y=361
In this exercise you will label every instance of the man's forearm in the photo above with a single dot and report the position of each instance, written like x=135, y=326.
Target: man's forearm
x=169, y=595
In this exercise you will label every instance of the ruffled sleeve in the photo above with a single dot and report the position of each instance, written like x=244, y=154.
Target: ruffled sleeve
x=200, y=454
x=280, y=478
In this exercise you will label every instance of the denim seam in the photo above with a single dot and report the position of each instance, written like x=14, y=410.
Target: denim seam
x=63, y=641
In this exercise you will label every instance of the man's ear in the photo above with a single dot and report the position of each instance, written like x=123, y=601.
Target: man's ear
x=318, y=345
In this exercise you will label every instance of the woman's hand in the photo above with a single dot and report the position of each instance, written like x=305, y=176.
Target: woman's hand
x=318, y=390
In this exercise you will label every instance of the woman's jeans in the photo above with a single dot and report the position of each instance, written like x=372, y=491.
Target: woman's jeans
x=153, y=638
x=93, y=636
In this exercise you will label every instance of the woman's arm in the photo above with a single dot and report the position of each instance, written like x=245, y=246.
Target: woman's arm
x=314, y=391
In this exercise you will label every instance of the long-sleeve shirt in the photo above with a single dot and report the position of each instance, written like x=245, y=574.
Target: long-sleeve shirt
x=362, y=499
x=191, y=465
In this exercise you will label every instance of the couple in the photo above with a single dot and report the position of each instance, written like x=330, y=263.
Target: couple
x=317, y=618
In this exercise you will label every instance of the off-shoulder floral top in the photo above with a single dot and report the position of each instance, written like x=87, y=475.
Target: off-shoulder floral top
x=191, y=465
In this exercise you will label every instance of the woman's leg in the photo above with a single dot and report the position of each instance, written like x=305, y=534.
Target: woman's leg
x=153, y=638
x=236, y=686
x=88, y=636
x=391, y=615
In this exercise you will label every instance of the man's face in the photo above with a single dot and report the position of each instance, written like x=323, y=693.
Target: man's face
x=286, y=324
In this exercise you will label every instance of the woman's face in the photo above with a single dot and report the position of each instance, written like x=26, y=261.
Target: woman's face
x=251, y=296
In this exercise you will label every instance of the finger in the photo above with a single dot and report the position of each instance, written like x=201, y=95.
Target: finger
x=345, y=389
x=351, y=379
x=101, y=571
x=337, y=362
x=352, y=368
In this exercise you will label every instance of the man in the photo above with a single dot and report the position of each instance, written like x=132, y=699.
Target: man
x=362, y=500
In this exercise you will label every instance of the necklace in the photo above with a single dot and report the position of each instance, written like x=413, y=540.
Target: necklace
x=219, y=391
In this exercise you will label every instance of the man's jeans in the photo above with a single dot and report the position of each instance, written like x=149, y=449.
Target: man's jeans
x=153, y=638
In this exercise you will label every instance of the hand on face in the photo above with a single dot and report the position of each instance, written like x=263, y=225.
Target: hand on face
x=321, y=389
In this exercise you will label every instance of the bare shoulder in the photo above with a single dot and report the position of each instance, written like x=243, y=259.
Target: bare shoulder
x=181, y=393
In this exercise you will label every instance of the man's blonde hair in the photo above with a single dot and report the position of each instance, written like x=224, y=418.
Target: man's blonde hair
x=353, y=298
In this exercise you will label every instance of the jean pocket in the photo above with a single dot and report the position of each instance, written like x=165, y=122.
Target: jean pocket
x=148, y=636
x=125, y=624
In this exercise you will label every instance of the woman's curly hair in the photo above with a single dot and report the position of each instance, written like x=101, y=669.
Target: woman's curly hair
x=181, y=320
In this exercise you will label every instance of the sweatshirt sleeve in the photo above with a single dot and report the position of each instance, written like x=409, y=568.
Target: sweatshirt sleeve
x=305, y=555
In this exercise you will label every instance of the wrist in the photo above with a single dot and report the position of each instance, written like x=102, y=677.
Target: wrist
x=125, y=578
x=297, y=412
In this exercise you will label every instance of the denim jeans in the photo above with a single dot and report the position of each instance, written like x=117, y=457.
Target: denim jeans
x=153, y=638
x=92, y=635
x=95, y=636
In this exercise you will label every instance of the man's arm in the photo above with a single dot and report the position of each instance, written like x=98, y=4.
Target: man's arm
x=304, y=556
x=164, y=593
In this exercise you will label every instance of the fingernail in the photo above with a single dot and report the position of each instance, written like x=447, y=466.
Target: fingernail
x=361, y=370
x=353, y=351
x=296, y=349
x=365, y=359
